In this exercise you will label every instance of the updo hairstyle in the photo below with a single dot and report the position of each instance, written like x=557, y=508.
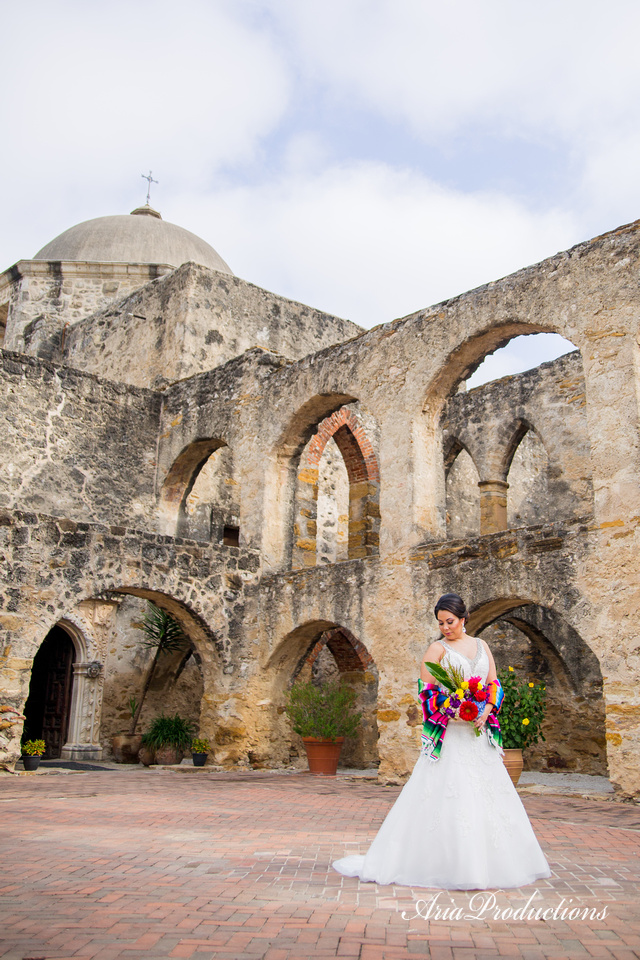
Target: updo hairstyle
x=452, y=603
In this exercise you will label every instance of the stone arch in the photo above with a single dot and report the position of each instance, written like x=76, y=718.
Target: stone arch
x=526, y=474
x=179, y=483
x=541, y=645
x=48, y=706
x=320, y=651
x=183, y=682
x=462, y=497
x=282, y=474
x=461, y=361
x=347, y=432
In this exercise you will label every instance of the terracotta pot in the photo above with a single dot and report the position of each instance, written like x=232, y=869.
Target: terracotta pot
x=168, y=755
x=514, y=763
x=146, y=755
x=125, y=747
x=323, y=755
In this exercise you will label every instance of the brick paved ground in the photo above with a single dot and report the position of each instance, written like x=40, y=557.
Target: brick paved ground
x=150, y=864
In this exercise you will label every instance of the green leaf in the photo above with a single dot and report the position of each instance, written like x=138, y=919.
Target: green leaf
x=441, y=675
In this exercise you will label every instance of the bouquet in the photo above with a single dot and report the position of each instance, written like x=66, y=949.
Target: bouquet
x=467, y=697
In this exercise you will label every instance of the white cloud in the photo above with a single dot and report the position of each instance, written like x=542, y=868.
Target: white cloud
x=101, y=93
x=371, y=242
x=542, y=69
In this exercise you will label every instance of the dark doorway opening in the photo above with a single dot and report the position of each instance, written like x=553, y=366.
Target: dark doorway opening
x=49, y=700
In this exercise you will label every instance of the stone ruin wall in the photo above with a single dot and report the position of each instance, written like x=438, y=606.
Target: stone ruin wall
x=192, y=321
x=255, y=628
x=44, y=298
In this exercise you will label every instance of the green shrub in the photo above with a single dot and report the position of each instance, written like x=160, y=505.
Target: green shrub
x=324, y=712
x=200, y=746
x=523, y=711
x=33, y=748
x=169, y=732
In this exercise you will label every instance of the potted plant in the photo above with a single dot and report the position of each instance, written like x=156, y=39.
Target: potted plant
x=168, y=738
x=323, y=716
x=162, y=633
x=521, y=718
x=32, y=751
x=199, y=751
x=125, y=746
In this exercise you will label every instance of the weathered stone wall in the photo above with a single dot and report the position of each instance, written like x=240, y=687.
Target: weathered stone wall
x=193, y=320
x=75, y=445
x=43, y=298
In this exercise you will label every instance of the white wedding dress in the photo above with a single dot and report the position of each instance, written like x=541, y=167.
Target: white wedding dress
x=458, y=823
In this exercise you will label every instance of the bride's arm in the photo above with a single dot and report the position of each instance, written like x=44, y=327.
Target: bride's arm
x=481, y=719
x=434, y=654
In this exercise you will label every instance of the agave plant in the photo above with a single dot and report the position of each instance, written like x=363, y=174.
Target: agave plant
x=162, y=633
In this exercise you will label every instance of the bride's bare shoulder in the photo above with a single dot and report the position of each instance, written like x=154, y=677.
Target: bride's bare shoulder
x=435, y=652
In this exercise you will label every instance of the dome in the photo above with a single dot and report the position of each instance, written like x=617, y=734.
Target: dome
x=141, y=236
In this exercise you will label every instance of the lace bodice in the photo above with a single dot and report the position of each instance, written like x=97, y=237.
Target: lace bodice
x=476, y=667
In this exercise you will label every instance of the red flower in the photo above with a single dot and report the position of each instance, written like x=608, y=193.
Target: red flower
x=468, y=710
x=481, y=695
x=474, y=683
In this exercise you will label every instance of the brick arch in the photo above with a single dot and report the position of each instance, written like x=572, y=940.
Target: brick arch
x=353, y=443
x=298, y=659
x=361, y=463
x=349, y=653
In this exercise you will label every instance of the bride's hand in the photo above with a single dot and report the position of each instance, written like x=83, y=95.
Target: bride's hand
x=481, y=719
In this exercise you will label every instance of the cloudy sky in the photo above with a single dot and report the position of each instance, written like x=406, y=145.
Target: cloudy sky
x=369, y=157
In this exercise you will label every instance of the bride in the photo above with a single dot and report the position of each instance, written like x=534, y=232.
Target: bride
x=458, y=823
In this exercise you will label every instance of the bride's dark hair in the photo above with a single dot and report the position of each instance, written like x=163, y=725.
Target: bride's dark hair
x=452, y=603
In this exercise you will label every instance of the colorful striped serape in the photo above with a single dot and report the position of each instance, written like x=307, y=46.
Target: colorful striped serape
x=435, y=722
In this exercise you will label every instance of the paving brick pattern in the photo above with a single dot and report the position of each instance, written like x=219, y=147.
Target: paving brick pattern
x=147, y=864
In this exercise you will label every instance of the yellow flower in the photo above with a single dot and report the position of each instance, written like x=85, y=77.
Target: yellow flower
x=447, y=702
x=459, y=693
x=465, y=684
x=525, y=721
x=480, y=687
x=531, y=684
x=511, y=669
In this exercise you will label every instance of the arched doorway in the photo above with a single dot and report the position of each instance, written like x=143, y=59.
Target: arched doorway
x=48, y=705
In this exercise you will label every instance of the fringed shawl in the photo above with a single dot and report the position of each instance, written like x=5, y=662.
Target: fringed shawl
x=435, y=722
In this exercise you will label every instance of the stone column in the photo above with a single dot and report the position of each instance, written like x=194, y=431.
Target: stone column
x=86, y=708
x=493, y=506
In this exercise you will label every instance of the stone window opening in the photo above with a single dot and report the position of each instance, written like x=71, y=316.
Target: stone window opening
x=337, y=514
x=200, y=498
x=462, y=493
x=231, y=536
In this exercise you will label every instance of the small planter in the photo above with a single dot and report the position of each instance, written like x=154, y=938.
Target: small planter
x=146, y=755
x=168, y=755
x=125, y=748
x=199, y=759
x=323, y=755
x=31, y=763
x=514, y=763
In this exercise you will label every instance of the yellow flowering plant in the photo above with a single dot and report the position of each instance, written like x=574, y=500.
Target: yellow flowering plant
x=33, y=748
x=523, y=710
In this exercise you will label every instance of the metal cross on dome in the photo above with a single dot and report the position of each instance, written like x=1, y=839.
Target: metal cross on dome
x=149, y=180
